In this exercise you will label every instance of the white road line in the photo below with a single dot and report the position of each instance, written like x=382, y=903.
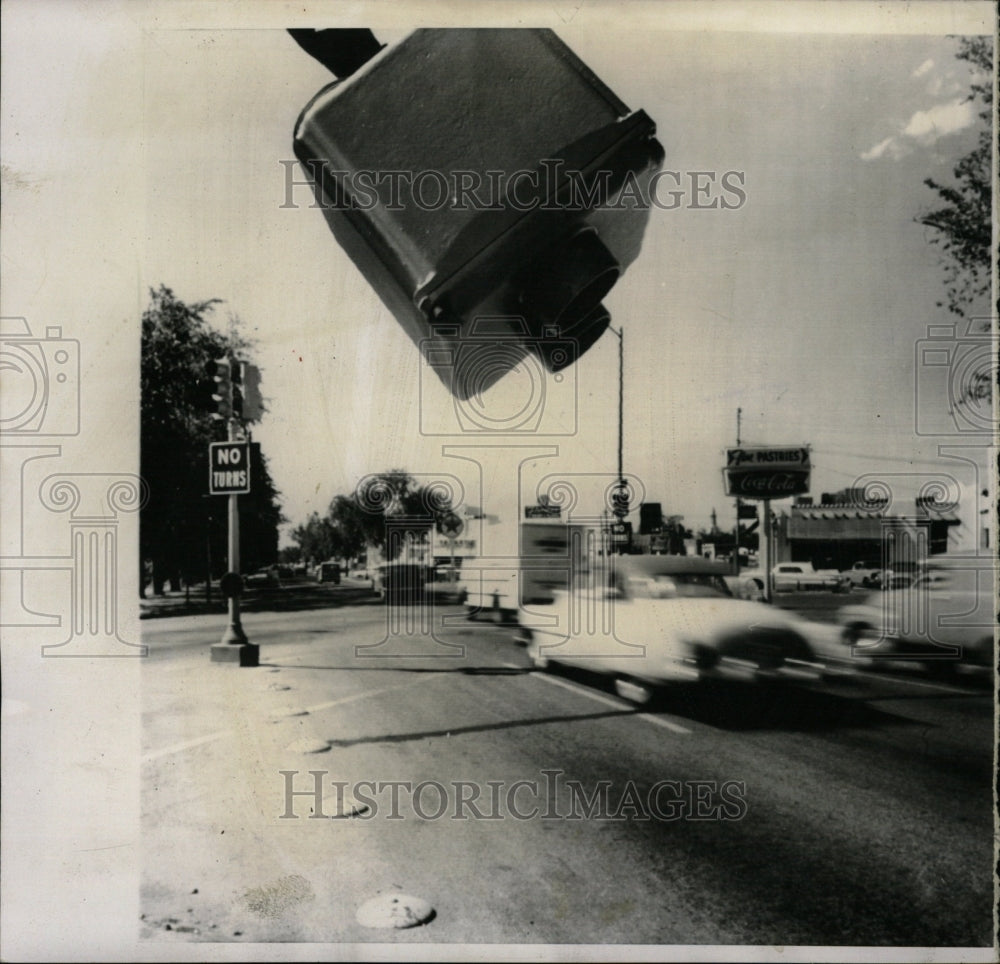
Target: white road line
x=199, y=740
x=666, y=724
x=186, y=745
x=610, y=701
x=354, y=697
x=940, y=687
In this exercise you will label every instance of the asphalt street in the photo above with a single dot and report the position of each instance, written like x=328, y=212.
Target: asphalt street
x=364, y=760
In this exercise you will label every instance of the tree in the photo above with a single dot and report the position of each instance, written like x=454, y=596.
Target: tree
x=365, y=518
x=182, y=530
x=962, y=225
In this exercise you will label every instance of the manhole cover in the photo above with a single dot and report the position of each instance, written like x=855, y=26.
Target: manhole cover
x=395, y=911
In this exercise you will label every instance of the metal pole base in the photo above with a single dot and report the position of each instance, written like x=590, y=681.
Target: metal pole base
x=243, y=654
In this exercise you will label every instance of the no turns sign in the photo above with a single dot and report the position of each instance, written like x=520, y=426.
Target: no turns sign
x=228, y=468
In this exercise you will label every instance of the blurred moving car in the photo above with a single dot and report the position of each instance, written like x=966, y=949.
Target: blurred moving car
x=445, y=586
x=664, y=619
x=944, y=618
x=400, y=582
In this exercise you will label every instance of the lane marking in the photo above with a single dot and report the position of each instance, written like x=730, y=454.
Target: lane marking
x=220, y=734
x=666, y=724
x=940, y=687
x=186, y=745
x=610, y=701
x=354, y=697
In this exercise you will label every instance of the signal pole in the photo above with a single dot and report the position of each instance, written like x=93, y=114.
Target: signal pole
x=234, y=632
x=234, y=646
x=736, y=540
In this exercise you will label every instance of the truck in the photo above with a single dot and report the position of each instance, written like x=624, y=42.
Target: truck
x=552, y=555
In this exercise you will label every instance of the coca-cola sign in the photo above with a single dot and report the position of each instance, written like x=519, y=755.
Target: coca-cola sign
x=767, y=472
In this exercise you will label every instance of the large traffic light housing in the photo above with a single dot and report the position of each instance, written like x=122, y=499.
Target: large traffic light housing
x=252, y=407
x=221, y=372
x=477, y=174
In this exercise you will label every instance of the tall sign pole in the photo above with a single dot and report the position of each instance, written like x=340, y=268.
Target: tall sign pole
x=229, y=474
x=736, y=539
x=234, y=631
x=766, y=472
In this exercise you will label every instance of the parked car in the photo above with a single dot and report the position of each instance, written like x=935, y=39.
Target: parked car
x=864, y=574
x=665, y=619
x=944, y=618
x=794, y=576
x=788, y=577
x=901, y=574
x=266, y=578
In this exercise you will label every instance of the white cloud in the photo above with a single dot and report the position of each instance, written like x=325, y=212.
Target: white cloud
x=926, y=66
x=924, y=128
x=879, y=149
x=928, y=126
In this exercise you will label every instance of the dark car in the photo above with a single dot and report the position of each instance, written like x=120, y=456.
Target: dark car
x=328, y=572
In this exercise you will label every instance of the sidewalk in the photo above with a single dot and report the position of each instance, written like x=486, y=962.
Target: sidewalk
x=223, y=857
x=291, y=595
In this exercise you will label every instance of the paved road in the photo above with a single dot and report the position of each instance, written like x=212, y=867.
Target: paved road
x=856, y=812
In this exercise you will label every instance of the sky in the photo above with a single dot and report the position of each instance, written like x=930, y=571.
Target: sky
x=142, y=145
x=149, y=151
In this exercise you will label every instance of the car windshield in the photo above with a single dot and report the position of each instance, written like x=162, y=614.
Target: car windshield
x=677, y=586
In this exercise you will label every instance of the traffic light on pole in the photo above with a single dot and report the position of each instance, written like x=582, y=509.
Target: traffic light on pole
x=221, y=371
x=253, y=404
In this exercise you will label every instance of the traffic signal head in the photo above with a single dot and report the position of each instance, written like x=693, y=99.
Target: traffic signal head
x=221, y=371
x=253, y=404
x=520, y=191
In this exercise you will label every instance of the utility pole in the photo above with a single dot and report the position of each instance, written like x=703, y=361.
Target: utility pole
x=736, y=540
x=620, y=512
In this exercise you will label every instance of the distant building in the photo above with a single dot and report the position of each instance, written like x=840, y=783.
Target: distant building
x=846, y=528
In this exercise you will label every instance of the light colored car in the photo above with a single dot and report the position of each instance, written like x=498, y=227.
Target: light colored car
x=864, y=575
x=788, y=577
x=664, y=619
x=796, y=576
x=445, y=586
x=944, y=618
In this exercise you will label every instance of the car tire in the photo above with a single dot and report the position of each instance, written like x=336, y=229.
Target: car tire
x=851, y=634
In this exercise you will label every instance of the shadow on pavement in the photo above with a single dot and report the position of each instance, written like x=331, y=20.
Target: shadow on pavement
x=481, y=728
x=762, y=706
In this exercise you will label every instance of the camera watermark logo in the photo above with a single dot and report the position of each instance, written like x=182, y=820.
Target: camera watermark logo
x=410, y=516
x=538, y=394
x=956, y=379
x=934, y=606
x=41, y=379
x=39, y=408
